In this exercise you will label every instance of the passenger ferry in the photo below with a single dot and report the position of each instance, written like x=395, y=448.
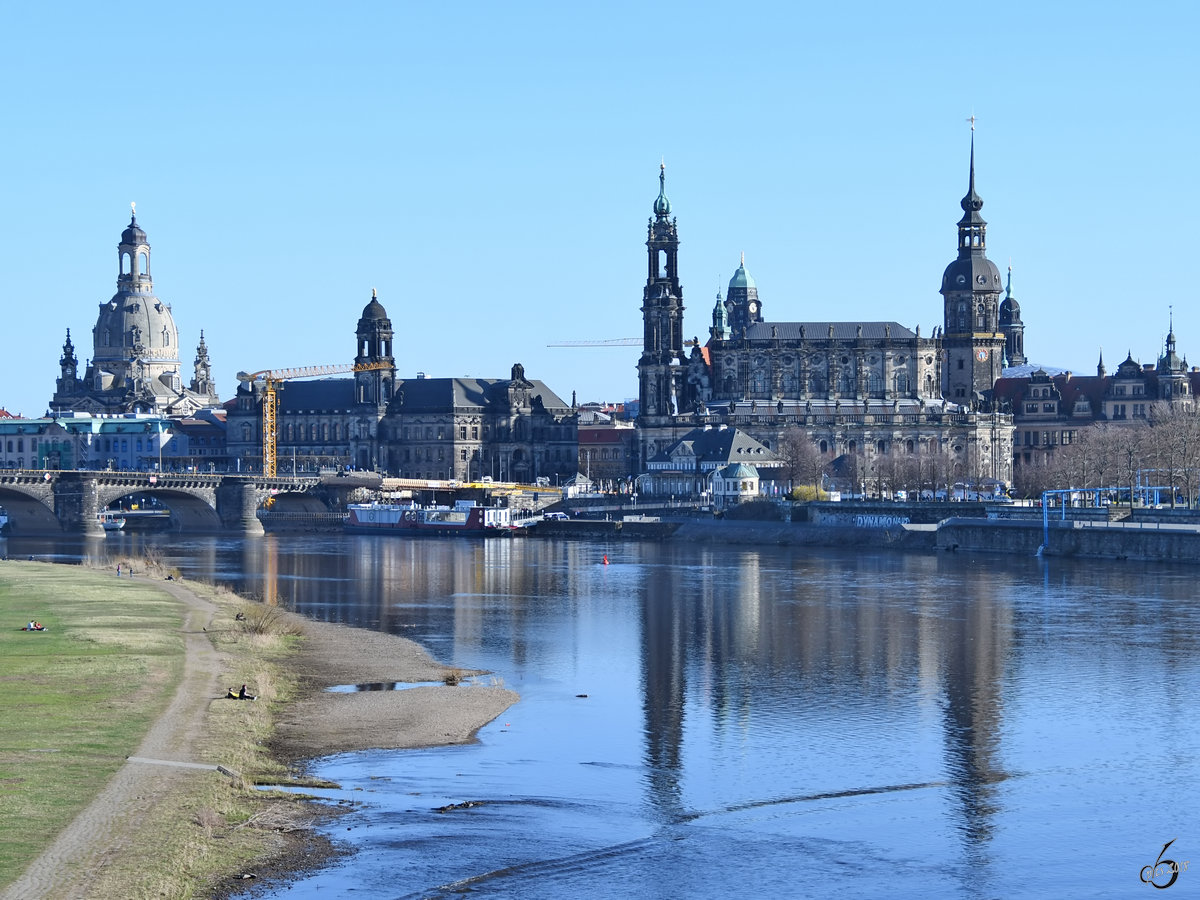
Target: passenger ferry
x=111, y=519
x=465, y=518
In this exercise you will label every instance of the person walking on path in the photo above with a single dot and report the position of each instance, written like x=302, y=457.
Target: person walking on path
x=118, y=570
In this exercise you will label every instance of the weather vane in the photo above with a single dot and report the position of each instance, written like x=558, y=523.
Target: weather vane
x=972, y=121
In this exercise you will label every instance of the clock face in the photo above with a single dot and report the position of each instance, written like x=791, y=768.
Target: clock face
x=981, y=355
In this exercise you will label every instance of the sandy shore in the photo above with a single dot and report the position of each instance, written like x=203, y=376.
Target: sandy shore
x=318, y=723
x=324, y=722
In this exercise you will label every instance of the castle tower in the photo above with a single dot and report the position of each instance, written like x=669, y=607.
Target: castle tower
x=972, y=342
x=1012, y=326
x=660, y=368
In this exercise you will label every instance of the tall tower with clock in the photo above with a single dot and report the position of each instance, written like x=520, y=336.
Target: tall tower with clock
x=972, y=342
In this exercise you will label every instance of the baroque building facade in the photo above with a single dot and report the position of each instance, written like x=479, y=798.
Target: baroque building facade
x=1050, y=408
x=466, y=429
x=867, y=390
x=135, y=365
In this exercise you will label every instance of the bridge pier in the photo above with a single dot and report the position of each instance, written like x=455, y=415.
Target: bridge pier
x=237, y=505
x=77, y=503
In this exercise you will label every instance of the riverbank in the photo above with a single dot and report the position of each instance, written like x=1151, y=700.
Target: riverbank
x=182, y=816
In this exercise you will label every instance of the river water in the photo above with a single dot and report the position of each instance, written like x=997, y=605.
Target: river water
x=709, y=722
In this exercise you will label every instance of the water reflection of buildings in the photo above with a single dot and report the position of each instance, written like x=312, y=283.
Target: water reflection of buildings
x=800, y=645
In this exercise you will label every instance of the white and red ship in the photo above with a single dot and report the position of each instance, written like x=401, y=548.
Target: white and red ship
x=465, y=518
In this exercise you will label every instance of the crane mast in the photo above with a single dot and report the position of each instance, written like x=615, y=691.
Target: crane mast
x=272, y=383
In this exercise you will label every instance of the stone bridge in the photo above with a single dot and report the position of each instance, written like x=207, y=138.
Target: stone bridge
x=40, y=502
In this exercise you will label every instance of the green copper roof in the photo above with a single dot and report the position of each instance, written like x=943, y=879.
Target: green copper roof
x=662, y=206
x=741, y=278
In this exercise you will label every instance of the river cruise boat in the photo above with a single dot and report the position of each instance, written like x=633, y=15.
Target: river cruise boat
x=111, y=519
x=465, y=518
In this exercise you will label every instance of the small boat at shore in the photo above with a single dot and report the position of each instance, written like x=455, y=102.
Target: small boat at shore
x=111, y=520
x=465, y=518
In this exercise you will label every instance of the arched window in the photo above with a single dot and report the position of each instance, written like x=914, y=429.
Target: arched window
x=125, y=263
x=852, y=447
x=824, y=447
x=143, y=264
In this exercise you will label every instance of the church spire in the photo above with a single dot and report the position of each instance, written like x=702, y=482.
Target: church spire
x=972, y=229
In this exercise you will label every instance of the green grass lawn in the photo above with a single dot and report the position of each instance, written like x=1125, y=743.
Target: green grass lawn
x=76, y=699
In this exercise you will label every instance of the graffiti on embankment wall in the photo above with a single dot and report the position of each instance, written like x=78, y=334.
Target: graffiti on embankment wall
x=862, y=519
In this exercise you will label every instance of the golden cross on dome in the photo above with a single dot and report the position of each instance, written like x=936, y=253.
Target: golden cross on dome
x=972, y=121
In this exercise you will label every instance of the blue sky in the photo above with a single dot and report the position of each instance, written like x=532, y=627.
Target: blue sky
x=490, y=170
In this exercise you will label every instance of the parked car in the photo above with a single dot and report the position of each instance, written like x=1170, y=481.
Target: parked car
x=555, y=517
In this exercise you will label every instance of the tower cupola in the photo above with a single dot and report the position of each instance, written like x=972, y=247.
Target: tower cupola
x=662, y=206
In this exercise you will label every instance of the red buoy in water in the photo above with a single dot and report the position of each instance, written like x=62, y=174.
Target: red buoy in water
x=606, y=559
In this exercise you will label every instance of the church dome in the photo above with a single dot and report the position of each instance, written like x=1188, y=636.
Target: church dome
x=132, y=325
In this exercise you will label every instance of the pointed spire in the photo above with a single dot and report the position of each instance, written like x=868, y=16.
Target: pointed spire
x=972, y=202
x=1100, y=370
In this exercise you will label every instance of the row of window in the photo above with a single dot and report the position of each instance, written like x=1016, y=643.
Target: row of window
x=1044, y=438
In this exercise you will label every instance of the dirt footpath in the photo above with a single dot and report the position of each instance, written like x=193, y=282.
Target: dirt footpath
x=319, y=724
x=163, y=756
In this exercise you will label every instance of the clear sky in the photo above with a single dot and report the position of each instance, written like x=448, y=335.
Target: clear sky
x=490, y=169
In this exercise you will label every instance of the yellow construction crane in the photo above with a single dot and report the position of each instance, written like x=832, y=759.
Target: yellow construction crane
x=610, y=342
x=271, y=379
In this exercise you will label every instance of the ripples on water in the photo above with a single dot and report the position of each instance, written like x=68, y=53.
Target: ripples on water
x=768, y=722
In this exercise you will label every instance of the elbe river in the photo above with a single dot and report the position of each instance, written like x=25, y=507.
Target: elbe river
x=755, y=722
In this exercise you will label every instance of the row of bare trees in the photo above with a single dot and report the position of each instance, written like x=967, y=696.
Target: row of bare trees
x=1162, y=450
x=920, y=474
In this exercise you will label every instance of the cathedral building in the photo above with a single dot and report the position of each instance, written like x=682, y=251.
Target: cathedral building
x=135, y=365
x=873, y=391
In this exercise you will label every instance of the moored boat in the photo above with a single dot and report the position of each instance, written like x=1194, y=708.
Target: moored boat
x=464, y=518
